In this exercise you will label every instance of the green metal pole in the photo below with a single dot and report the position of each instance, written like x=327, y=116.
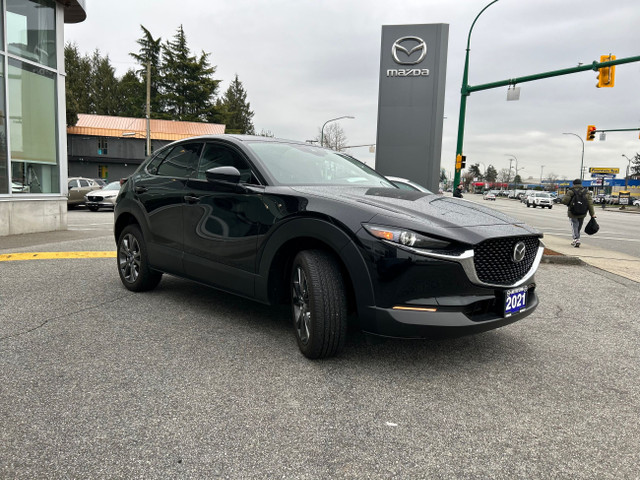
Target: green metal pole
x=554, y=73
x=464, y=93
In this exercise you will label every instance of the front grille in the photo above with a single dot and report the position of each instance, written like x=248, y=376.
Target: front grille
x=94, y=198
x=494, y=263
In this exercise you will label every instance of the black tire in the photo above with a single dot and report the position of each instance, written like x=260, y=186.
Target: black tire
x=93, y=208
x=133, y=265
x=318, y=304
x=528, y=204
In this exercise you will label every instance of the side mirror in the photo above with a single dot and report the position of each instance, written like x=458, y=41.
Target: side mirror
x=224, y=175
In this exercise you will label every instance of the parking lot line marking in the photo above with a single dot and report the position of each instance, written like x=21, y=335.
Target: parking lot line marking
x=9, y=257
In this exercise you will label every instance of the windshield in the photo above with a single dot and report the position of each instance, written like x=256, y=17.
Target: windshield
x=295, y=164
x=112, y=186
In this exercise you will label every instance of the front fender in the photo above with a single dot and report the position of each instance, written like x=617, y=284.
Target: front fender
x=329, y=234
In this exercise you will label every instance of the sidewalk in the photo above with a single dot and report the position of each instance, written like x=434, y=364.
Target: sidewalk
x=618, y=263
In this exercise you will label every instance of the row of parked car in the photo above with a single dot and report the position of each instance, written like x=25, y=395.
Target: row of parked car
x=94, y=193
x=613, y=200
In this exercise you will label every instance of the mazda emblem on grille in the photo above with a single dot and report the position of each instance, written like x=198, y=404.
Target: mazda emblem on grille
x=518, y=252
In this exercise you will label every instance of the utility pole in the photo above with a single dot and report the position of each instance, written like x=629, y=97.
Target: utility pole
x=148, y=108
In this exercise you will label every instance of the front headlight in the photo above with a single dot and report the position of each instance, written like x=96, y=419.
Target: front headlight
x=407, y=238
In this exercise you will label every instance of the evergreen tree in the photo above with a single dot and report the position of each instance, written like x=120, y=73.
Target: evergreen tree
x=491, y=174
x=132, y=95
x=186, y=83
x=103, y=86
x=78, y=77
x=475, y=171
x=150, y=53
x=235, y=111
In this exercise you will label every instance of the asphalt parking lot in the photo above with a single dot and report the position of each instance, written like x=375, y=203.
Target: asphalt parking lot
x=188, y=382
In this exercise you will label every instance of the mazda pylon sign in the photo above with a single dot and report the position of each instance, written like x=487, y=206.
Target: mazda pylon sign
x=413, y=63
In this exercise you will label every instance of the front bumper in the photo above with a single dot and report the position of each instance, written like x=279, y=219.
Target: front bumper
x=419, y=294
x=106, y=203
x=447, y=316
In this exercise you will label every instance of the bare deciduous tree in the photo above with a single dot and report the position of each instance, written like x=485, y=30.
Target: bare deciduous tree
x=333, y=138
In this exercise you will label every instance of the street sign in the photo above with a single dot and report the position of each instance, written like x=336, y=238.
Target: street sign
x=624, y=198
x=605, y=170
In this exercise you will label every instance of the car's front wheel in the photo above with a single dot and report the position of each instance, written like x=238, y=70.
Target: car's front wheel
x=93, y=208
x=133, y=265
x=319, y=304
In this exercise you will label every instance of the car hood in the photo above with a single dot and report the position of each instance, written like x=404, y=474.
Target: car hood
x=104, y=193
x=426, y=211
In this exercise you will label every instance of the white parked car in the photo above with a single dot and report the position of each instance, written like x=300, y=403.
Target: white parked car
x=406, y=184
x=540, y=199
x=103, y=198
x=489, y=196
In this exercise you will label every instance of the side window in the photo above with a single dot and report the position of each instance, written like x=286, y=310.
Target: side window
x=182, y=161
x=152, y=166
x=84, y=183
x=220, y=156
x=73, y=184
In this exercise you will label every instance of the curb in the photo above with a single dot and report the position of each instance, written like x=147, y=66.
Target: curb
x=562, y=260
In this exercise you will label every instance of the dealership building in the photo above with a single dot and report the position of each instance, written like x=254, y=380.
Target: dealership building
x=33, y=153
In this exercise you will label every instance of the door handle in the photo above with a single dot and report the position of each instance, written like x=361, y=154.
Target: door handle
x=191, y=199
x=141, y=189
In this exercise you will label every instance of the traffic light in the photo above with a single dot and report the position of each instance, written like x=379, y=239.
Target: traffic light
x=461, y=161
x=606, y=75
x=591, y=133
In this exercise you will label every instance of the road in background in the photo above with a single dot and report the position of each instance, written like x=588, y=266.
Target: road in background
x=188, y=382
x=619, y=231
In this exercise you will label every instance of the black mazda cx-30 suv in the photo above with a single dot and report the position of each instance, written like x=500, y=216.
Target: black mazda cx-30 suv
x=281, y=221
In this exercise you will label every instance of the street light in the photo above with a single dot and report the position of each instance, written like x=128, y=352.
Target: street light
x=516, y=159
x=582, y=158
x=626, y=178
x=328, y=121
x=464, y=93
x=541, y=169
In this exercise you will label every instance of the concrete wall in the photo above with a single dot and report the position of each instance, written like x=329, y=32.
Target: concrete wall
x=32, y=215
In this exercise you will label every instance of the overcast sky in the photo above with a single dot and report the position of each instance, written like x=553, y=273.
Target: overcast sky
x=303, y=62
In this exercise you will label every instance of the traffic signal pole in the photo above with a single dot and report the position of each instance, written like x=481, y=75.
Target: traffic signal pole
x=464, y=93
x=467, y=89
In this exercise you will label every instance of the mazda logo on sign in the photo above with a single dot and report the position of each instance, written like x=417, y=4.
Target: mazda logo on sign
x=408, y=47
x=518, y=252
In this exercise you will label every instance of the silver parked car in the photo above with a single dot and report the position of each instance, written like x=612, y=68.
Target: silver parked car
x=103, y=198
x=78, y=188
x=405, y=184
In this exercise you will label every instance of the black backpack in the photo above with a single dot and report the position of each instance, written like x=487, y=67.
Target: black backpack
x=579, y=204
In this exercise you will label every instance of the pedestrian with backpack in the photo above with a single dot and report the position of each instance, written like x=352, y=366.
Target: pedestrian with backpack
x=579, y=201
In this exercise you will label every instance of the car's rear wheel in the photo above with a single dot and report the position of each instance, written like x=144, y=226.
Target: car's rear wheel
x=319, y=304
x=133, y=265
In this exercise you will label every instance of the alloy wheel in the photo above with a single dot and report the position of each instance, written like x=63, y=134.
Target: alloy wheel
x=302, y=315
x=129, y=258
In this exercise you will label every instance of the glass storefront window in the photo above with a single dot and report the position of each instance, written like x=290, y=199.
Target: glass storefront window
x=32, y=129
x=31, y=30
